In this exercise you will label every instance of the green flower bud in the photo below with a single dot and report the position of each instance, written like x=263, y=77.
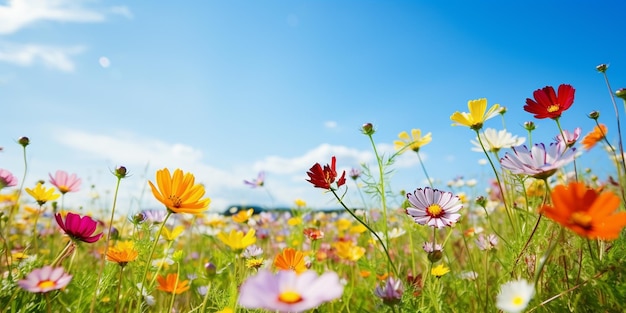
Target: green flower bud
x=368, y=129
x=602, y=68
x=594, y=115
x=621, y=93
x=23, y=141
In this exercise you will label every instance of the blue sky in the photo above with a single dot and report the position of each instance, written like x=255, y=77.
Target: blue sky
x=225, y=89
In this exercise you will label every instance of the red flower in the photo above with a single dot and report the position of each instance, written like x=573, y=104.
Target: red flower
x=79, y=227
x=548, y=104
x=324, y=177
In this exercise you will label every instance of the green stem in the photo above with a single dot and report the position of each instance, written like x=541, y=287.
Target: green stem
x=206, y=298
x=619, y=129
x=546, y=256
x=381, y=182
x=175, y=287
x=62, y=254
x=145, y=270
x=430, y=182
x=119, y=290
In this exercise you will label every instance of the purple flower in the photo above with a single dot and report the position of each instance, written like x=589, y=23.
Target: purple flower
x=433, y=207
x=7, y=179
x=45, y=279
x=428, y=247
x=252, y=251
x=258, y=182
x=287, y=291
x=486, y=242
x=154, y=216
x=354, y=173
x=391, y=292
x=570, y=138
x=538, y=162
x=79, y=227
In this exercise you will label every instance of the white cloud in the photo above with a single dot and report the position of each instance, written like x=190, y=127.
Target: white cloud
x=330, y=124
x=17, y=14
x=58, y=58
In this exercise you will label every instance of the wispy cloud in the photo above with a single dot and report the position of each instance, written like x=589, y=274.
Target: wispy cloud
x=59, y=58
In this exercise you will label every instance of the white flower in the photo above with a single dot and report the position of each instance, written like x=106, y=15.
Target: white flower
x=494, y=140
x=514, y=296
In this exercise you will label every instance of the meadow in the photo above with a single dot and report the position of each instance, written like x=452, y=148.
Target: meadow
x=545, y=236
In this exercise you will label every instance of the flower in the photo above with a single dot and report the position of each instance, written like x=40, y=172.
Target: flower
x=153, y=216
x=596, y=135
x=477, y=115
x=494, y=140
x=548, y=104
x=514, y=296
x=173, y=234
x=290, y=259
x=78, y=227
x=45, y=279
x=122, y=253
x=243, y=216
x=42, y=194
x=287, y=291
x=585, y=211
x=538, y=162
x=7, y=179
x=570, y=138
x=171, y=284
x=252, y=251
x=258, y=182
x=439, y=270
x=347, y=250
x=415, y=142
x=313, y=233
x=64, y=182
x=433, y=207
x=486, y=242
x=236, y=239
x=355, y=173
x=254, y=263
x=391, y=291
x=325, y=177
x=299, y=203
x=179, y=192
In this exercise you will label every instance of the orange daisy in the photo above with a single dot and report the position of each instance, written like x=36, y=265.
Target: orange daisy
x=179, y=192
x=596, y=135
x=588, y=212
x=170, y=284
x=122, y=253
x=290, y=259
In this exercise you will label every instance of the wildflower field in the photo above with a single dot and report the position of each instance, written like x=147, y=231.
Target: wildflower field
x=546, y=235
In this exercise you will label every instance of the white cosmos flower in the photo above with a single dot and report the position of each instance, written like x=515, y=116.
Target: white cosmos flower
x=494, y=140
x=514, y=296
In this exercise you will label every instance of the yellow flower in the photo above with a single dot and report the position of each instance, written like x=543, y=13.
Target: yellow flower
x=236, y=240
x=294, y=221
x=439, y=270
x=179, y=192
x=343, y=224
x=171, y=236
x=225, y=310
x=415, y=142
x=122, y=253
x=254, y=263
x=347, y=250
x=476, y=116
x=243, y=216
x=42, y=194
x=358, y=229
x=300, y=203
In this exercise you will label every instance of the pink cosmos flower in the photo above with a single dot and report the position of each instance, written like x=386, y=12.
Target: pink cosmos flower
x=433, y=207
x=64, y=182
x=287, y=291
x=539, y=162
x=258, y=182
x=391, y=292
x=79, y=227
x=45, y=279
x=570, y=138
x=7, y=179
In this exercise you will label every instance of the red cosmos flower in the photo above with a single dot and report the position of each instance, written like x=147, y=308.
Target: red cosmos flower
x=548, y=104
x=324, y=177
x=79, y=227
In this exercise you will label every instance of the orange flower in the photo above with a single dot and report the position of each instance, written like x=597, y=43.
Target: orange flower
x=587, y=212
x=290, y=259
x=596, y=135
x=122, y=253
x=179, y=192
x=170, y=284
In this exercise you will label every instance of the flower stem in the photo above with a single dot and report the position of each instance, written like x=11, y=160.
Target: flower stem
x=430, y=182
x=619, y=129
x=119, y=290
x=175, y=288
x=149, y=260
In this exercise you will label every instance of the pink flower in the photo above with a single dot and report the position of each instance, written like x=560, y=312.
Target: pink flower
x=258, y=182
x=45, y=279
x=7, y=179
x=79, y=227
x=433, y=207
x=391, y=292
x=570, y=138
x=64, y=182
x=287, y=291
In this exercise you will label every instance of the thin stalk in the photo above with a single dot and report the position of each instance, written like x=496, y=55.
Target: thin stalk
x=175, y=287
x=430, y=182
x=119, y=290
x=145, y=270
x=383, y=200
x=619, y=129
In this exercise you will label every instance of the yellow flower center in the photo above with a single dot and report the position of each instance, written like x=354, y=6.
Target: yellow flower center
x=553, y=108
x=46, y=284
x=289, y=297
x=517, y=300
x=581, y=219
x=434, y=210
x=176, y=201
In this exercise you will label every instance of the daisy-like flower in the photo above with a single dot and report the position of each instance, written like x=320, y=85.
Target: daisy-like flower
x=7, y=179
x=347, y=250
x=154, y=216
x=122, y=253
x=173, y=234
x=171, y=284
x=486, y=242
x=78, y=227
x=179, y=192
x=570, y=138
x=290, y=259
x=42, y=194
x=514, y=296
x=45, y=279
x=477, y=115
x=414, y=142
x=252, y=251
x=64, y=182
x=596, y=135
x=548, y=104
x=391, y=291
x=255, y=263
x=433, y=207
x=236, y=240
x=538, y=162
x=258, y=182
x=494, y=140
x=585, y=211
x=243, y=216
x=287, y=291
x=439, y=270
x=355, y=173
x=325, y=177
x=313, y=233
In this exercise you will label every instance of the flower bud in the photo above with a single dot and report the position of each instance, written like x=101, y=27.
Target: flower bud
x=138, y=218
x=435, y=256
x=529, y=126
x=211, y=269
x=602, y=68
x=621, y=93
x=120, y=172
x=502, y=110
x=594, y=115
x=368, y=129
x=481, y=201
x=23, y=141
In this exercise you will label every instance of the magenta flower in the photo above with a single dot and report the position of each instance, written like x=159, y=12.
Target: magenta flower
x=45, y=279
x=64, y=182
x=7, y=179
x=433, y=207
x=391, y=292
x=258, y=182
x=287, y=291
x=538, y=162
x=570, y=138
x=79, y=227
